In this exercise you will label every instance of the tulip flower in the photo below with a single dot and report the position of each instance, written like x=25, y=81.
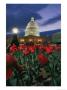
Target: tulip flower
x=9, y=73
x=40, y=47
x=21, y=47
x=10, y=60
x=42, y=58
x=31, y=49
x=26, y=51
x=13, y=48
x=49, y=49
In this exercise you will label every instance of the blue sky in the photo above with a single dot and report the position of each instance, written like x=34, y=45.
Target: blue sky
x=48, y=16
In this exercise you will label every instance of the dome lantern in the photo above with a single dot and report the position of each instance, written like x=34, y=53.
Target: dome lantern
x=32, y=19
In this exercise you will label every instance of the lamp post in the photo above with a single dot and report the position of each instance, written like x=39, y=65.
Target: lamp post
x=15, y=41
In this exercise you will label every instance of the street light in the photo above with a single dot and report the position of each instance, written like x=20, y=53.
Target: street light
x=15, y=41
x=15, y=30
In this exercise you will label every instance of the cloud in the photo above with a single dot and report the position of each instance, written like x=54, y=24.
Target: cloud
x=51, y=11
x=52, y=20
x=51, y=27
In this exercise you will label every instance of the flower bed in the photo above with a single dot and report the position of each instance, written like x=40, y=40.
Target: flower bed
x=33, y=65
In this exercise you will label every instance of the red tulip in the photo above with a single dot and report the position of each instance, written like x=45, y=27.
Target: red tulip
x=49, y=49
x=26, y=51
x=40, y=47
x=31, y=49
x=21, y=47
x=9, y=73
x=42, y=59
x=10, y=59
x=13, y=48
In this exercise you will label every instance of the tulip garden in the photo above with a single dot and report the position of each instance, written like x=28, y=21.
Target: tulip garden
x=33, y=65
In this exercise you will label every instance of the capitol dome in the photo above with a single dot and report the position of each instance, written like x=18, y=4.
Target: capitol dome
x=32, y=28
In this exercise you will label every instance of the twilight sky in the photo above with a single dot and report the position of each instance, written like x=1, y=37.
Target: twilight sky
x=48, y=16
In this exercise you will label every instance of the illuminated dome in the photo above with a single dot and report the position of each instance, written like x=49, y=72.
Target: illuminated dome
x=32, y=28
